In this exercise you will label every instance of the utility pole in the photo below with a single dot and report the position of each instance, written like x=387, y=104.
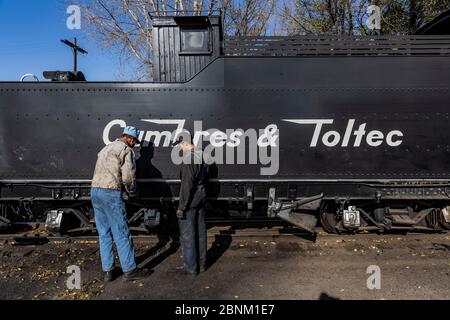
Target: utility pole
x=76, y=49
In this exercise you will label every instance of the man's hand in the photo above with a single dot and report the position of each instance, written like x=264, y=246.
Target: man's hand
x=132, y=195
x=180, y=214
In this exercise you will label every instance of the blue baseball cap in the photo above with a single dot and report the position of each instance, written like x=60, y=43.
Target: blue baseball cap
x=132, y=132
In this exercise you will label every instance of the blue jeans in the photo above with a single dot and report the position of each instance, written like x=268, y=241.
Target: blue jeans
x=195, y=221
x=112, y=224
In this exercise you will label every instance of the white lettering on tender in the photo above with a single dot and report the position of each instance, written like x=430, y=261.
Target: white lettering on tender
x=332, y=138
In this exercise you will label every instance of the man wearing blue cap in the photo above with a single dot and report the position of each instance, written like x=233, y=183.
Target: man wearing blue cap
x=114, y=177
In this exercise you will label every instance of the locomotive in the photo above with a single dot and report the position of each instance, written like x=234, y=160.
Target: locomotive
x=349, y=132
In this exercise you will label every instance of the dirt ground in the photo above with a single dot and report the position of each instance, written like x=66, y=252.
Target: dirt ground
x=414, y=266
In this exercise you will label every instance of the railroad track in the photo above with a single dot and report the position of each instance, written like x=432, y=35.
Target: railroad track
x=212, y=233
x=38, y=236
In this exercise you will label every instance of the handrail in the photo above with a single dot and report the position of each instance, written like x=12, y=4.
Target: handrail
x=337, y=45
x=27, y=75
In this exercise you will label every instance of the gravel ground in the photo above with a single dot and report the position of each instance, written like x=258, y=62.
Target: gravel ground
x=416, y=266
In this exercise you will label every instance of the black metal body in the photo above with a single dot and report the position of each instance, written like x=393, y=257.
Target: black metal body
x=50, y=133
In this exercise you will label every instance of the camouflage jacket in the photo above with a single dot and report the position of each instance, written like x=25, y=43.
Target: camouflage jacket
x=116, y=168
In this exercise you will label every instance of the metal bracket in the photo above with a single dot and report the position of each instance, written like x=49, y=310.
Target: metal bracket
x=4, y=222
x=306, y=222
x=249, y=197
x=76, y=194
x=421, y=215
x=55, y=219
x=57, y=194
x=85, y=222
x=292, y=191
x=271, y=204
x=136, y=216
x=286, y=212
x=151, y=217
x=369, y=218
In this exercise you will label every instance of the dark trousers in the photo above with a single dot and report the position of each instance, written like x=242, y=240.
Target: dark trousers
x=193, y=239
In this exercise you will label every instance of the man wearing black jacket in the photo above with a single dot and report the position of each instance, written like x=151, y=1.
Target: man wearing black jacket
x=191, y=208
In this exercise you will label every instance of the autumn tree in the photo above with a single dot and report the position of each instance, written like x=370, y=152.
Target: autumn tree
x=125, y=25
x=406, y=16
x=248, y=18
x=350, y=16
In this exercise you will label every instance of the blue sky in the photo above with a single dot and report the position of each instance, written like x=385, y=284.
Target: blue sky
x=31, y=31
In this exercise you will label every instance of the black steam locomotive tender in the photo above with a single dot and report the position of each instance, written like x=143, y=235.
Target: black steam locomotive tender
x=347, y=132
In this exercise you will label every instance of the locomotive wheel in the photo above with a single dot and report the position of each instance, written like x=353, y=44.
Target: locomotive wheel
x=328, y=221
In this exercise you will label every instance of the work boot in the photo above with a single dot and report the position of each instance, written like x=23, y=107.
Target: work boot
x=109, y=276
x=189, y=274
x=136, y=274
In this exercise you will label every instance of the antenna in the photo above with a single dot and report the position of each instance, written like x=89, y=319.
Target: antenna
x=76, y=49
